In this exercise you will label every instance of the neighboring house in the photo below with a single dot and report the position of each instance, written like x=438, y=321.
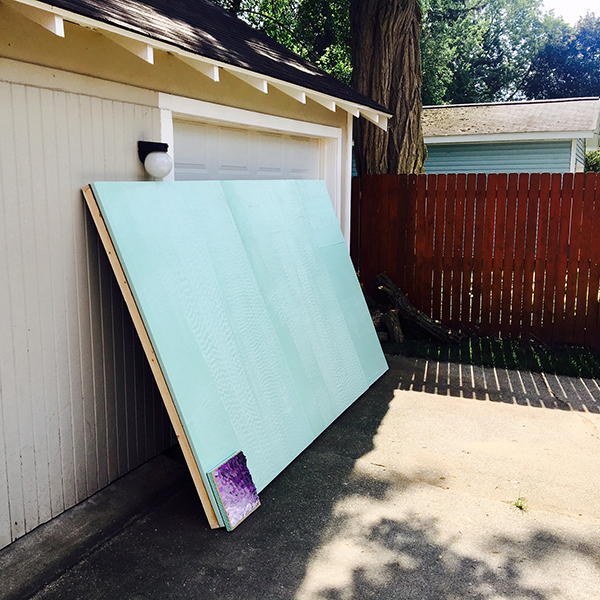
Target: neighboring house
x=538, y=136
x=81, y=82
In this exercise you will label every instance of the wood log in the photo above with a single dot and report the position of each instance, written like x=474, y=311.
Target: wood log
x=391, y=322
x=381, y=316
x=416, y=318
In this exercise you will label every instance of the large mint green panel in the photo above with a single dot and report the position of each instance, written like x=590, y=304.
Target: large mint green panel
x=250, y=300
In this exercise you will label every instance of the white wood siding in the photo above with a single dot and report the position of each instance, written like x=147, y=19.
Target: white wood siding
x=78, y=406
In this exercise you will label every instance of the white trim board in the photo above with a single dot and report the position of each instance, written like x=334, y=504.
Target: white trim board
x=508, y=137
x=189, y=108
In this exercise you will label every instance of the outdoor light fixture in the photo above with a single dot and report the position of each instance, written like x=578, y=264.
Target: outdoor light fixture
x=155, y=158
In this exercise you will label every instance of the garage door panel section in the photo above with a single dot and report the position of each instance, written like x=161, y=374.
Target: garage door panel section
x=191, y=152
x=304, y=158
x=233, y=156
x=208, y=151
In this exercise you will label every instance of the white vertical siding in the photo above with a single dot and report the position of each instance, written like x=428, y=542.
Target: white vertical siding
x=78, y=406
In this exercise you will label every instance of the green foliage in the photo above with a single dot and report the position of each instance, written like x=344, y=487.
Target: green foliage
x=568, y=64
x=521, y=503
x=318, y=30
x=480, y=50
x=471, y=50
x=592, y=162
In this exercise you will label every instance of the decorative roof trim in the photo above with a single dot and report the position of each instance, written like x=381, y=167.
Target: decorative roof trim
x=144, y=46
x=47, y=19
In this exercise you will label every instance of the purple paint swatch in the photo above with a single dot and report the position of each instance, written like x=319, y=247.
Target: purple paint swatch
x=235, y=490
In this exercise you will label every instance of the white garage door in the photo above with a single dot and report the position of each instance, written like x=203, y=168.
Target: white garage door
x=209, y=151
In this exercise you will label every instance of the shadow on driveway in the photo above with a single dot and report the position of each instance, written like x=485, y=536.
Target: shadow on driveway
x=329, y=530
x=499, y=385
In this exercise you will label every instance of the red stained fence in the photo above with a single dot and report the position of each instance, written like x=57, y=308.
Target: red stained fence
x=513, y=255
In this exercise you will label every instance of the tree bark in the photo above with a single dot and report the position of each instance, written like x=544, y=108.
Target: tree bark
x=386, y=62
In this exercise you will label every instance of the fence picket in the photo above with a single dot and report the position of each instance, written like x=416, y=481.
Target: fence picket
x=498, y=248
x=552, y=279
x=573, y=259
x=519, y=266
x=480, y=196
x=541, y=248
x=448, y=248
x=420, y=229
x=426, y=249
x=530, y=251
x=509, y=255
x=562, y=257
x=400, y=259
x=518, y=255
x=592, y=335
x=458, y=253
x=355, y=222
x=488, y=251
x=369, y=216
x=467, y=292
x=584, y=257
x=390, y=260
x=417, y=203
x=438, y=248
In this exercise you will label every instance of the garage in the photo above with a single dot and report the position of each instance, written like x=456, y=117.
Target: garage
x=81, y=84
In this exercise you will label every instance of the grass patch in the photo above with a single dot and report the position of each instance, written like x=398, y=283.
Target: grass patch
x=574, y=361
x=521, y=503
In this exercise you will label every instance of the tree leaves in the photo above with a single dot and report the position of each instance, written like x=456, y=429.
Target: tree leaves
x=568, y=64
x=318, y=30
x=480, y=51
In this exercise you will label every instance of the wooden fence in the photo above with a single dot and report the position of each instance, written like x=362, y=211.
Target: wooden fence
x=513, y=255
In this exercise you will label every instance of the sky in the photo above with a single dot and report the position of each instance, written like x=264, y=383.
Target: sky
x=571, y=10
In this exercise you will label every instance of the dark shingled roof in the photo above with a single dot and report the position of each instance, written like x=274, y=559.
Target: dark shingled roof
x=203, y=28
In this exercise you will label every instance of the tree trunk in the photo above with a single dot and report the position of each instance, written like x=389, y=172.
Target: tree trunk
x=387, y=67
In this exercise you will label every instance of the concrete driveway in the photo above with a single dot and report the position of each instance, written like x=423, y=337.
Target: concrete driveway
x=418, y=491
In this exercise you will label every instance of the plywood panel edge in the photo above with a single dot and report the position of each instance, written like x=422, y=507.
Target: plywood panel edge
x=150, y=354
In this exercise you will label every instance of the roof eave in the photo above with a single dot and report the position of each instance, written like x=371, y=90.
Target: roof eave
x=52, y=17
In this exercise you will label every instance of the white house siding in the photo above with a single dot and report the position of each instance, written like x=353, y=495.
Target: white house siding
x=500, y=157
x=78, y=406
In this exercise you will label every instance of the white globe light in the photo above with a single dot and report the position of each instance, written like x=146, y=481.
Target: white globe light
x=158, y=164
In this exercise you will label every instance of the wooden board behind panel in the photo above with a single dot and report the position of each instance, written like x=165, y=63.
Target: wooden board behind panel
x=150, y=354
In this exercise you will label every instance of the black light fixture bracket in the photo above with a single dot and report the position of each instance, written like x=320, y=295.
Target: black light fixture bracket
x=144, y=148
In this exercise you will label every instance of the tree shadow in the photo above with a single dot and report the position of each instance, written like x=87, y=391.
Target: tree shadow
x=419, y=567
x=526, y=388
x=265, y=557
x=327, y=529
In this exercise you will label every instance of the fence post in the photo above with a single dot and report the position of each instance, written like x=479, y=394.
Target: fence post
x=355, y=222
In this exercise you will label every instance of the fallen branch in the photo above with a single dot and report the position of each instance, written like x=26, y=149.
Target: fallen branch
x=416, y=318
x=388, y=318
